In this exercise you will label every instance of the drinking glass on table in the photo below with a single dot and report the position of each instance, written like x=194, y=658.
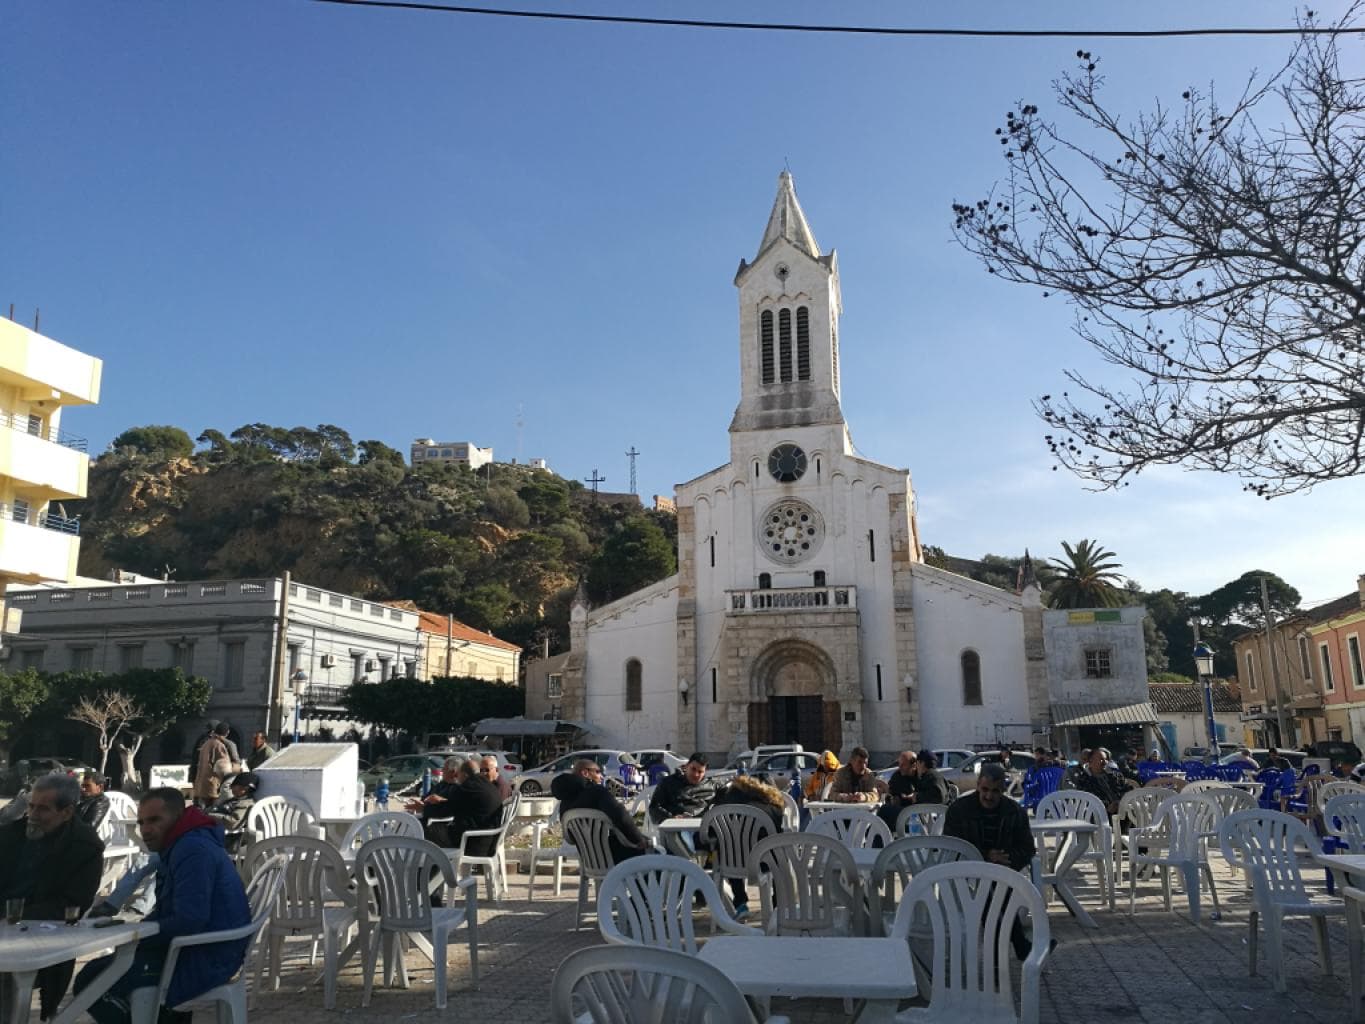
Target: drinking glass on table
x=14, y=910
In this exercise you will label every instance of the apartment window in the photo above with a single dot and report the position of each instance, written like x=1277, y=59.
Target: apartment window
x=1329, y=683
x=1251, y=671
x=971, y=679
x=384, y=664
x=82, y=659
x=234, y=664
x=1353, y=652
x=182, y=656
x=1304, y=659
x=1098, y=663
x=129, y=657
x=554, y=685
x=472, y=668
x=35, y=424
x=635, y=698
x=19, y=510
x=295, y=664
x=357, y=668
x=31, y=657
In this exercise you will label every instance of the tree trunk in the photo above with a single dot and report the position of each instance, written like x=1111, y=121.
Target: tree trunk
x=127, y=754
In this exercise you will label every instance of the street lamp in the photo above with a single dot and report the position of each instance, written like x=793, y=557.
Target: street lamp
x=1203, y=664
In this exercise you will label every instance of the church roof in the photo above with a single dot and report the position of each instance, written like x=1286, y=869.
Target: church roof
x=788, y=221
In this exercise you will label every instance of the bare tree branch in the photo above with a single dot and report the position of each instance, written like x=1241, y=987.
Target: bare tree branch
x=1219, y=261
x=108, y=713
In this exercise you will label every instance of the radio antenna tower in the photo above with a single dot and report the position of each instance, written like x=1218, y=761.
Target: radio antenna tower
x=631, y=455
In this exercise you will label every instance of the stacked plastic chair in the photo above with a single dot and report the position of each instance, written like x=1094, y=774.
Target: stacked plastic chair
x=1039, y=782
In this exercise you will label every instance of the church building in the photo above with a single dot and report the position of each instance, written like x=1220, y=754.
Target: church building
x=802, y=609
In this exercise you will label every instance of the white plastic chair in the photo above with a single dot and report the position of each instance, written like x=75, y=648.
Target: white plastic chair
x=809, y=885
x=558, y=854
x=494, y=864
x=1355, y=900
x=1343, y=817
x=855, y=829
x=921, y=820
x=970, y=907
x=122, y=806
x=398, y=876
x=229, y=998
x=314, y=902
x=1337, y=787
x=380, y=823
x=1076, y=803
x=1184, y=823
x=730, y=832
x=275, y=816
x=630, y=984
x=1203, y=786
x=589, y=832
x=1229, y=799
x=1267, y=844
x=648, y=901
x=791, y=814
x=1138, y=807
x=898, y=864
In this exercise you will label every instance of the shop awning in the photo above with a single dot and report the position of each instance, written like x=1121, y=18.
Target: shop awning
x=527, y=727
x=1141, y=713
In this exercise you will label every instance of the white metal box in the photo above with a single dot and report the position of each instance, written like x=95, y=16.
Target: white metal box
x=321, y=777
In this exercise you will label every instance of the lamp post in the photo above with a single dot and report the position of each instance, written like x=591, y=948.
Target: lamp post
x=1203, y=664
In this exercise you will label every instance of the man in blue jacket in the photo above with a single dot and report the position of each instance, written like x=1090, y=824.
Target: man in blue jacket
x=197, y=891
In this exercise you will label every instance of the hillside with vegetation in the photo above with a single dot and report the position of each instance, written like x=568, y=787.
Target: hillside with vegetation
x=502, y=548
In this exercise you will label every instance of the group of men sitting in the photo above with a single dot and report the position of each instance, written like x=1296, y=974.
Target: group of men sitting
x=468, y=798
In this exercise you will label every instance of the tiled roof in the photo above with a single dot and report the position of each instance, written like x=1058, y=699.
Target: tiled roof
x=1188, y=698
x=433, y=623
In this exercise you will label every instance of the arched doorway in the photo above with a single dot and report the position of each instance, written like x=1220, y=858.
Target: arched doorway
x=789, y=686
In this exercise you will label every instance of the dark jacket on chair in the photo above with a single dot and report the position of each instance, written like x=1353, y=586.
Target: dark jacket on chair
x=471, y=805
x=576, y=793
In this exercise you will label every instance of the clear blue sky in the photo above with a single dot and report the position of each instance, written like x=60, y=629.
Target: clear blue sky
x=413, y=224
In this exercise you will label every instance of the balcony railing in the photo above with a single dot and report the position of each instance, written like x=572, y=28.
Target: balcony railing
x=27, y=426
x=793, y=599
x=48, y=520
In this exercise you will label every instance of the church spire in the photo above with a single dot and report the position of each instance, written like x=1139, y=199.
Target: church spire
x=788, y=221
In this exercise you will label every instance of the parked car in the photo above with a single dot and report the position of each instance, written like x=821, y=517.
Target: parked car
x=964, y=775
x=537, y=780
x=1262, y=757
x=29, y=770
x=400, y=771
x=647, y=759
x=952, y=757
x=1337, y=751
x=777, y=769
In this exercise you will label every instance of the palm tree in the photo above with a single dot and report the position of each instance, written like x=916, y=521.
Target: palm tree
x=1085, y=578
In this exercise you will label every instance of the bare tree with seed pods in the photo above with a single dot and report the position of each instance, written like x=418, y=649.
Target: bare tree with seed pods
x=1214, y=253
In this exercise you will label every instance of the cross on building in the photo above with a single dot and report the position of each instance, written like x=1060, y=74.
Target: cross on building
x=594, y=480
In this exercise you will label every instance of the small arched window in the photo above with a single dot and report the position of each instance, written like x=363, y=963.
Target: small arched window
x=765, y=347
x=765, y=581
x=635, y=698
x=819, y=577
x=971, y=679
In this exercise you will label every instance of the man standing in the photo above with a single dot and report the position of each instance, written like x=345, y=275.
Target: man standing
x=214, y=766
x=684, y=794
x=94, y=805
x=493, y=774
x=52, y=860
x=471, y=804
x=853, y=783
x=197, y=891
x=582, y=789
x=999, y=828
x=261, y=751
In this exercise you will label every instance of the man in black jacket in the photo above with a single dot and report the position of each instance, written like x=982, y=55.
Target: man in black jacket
x=51, y=860
x=94, y=805
x=999, y=828
x=684, y=794
x=1096, y=778
x=471, y=804
x=582, y=789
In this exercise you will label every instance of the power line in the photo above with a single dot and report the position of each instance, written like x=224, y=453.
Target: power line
x=866, y=30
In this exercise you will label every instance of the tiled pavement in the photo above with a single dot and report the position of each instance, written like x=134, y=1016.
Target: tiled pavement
x=1154, y=967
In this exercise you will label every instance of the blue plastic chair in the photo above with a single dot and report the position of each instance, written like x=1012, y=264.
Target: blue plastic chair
x=1269, y=778
x=1039, y=782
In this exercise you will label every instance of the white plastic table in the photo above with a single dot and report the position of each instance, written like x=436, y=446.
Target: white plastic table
x=680, y=825
x=28, y=947
x=1075, y=841
x=820, y=806
x=764, y=966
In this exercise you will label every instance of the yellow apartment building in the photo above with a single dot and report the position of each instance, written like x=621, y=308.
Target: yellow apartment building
x=41, y=465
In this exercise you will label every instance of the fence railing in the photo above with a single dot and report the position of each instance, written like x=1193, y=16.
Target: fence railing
x=24, y=425
x=793, y=599
x=19, y=513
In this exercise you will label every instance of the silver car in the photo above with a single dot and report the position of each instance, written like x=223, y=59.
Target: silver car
x=537, y=780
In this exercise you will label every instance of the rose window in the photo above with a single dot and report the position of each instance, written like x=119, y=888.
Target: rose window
x=790, y=531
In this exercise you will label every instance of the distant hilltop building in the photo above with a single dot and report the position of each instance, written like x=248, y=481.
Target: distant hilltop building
x=462, y=452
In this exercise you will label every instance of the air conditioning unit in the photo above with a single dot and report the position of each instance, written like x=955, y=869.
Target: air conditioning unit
x=370, y=666
x=328, y=660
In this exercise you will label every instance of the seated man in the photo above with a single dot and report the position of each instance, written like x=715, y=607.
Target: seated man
x=52, y=860
x=1096, y=778
x=750, y=792
x=231, y=811
x=684, y=794
x=489, y=769
x=999, y=828
x=471, y=804
x=94, y=805
x=582, y=789
x=853, y=783
x=900, y=791
x=430, y=806
x=197, y=891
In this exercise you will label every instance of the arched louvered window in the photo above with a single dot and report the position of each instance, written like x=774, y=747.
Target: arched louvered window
x=802, y=343
x=635, y=697
x=971, y=678
x=765, y=347
x=784, y=344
